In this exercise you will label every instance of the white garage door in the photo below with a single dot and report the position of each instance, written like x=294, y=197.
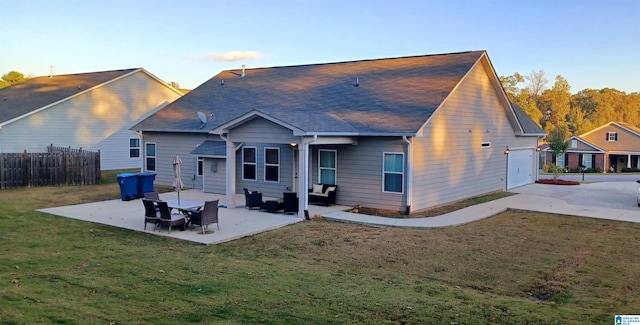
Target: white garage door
x=519, y=168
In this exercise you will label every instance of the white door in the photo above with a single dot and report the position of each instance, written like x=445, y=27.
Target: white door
x=519, y=168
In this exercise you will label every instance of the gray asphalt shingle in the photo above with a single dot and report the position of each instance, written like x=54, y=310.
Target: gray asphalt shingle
x=373, y=97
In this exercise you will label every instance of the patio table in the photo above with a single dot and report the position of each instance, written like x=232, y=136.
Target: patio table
x=185, y=207
x=184, y=204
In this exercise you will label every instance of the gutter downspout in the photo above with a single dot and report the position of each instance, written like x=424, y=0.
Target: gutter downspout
x=303, y=165
x=409, y=174
x=142, y=154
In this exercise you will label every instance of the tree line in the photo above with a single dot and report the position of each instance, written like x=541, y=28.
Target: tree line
x=574, y=114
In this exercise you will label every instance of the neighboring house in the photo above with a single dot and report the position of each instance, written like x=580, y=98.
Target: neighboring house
x=403, y=134
x=89, y=110
x=613, y=147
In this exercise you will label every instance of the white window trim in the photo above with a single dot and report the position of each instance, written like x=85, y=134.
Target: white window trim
x=558, y=160
x=138, y=147
x=574, y=143
x=271, y=165
x=255, y=150
x=335, y=162
x=584, y=160
x=611, y=136
x=200, y=162
x=147, y=156
x=401, y=173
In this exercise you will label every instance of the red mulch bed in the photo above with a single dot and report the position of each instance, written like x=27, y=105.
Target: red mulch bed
x=557, y=182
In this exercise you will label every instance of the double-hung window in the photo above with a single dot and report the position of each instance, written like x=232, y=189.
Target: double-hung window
x=560, y=160
x=393, y=172
x=587, y=160
x=272, y=164
x=249, y=163
x=134, y=147
x=150, y=155
x=327, y=167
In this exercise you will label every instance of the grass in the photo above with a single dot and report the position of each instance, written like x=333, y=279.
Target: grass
x=438, y=210
x=514, y=268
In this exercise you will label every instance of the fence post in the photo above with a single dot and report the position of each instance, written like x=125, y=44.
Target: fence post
x=25, y=170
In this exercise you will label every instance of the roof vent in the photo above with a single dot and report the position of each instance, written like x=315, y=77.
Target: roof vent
x=222, y=82
x=50, y=71
x=357, y=82
x=242, y=74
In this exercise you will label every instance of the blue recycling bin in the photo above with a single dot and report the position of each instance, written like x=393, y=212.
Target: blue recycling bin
x=128, y=186
x=145, y=182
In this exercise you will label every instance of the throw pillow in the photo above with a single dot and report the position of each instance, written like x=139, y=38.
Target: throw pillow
x=317, y=188
x=329, y=189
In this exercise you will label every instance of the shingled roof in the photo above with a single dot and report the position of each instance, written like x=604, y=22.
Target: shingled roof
x=394, y=96
x=39, y=92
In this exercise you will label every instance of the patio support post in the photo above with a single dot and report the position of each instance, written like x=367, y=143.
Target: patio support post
x=303, y=176
x=230, y=180
x=629, y=161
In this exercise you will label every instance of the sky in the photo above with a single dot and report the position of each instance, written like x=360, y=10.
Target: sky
x=592, y=44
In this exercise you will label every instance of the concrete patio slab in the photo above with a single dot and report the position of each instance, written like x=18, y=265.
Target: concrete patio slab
x=234, y=223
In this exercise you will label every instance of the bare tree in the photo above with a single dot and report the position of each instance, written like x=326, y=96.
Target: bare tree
x=537, y=83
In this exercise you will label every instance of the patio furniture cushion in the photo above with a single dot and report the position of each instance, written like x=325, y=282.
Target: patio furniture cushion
x=170, y=219
x=317, y=189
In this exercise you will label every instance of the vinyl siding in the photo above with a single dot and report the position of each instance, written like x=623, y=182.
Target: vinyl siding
x=268, y=189
x=97, y=120
x=214, y=180
x=449, y=162
x=359, y=172
x=170, y=144
x=263, y=131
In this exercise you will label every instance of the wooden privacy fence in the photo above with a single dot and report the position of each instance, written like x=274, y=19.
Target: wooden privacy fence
x=58, y=166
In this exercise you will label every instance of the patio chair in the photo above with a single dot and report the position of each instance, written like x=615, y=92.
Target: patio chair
x=252, y=199
x=170, y=219
x=150, y=214
x=153, y=196
x=206, y=216
x=290, y=202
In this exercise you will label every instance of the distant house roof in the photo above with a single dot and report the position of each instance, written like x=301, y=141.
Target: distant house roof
x=211, y=148
x=394, y=96
x=37, y=93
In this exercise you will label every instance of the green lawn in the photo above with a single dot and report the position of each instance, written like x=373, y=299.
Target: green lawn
x=514, y=268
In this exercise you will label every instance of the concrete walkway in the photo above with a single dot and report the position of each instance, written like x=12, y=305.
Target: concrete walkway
x=611, y=201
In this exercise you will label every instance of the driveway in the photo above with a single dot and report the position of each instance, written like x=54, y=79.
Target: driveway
x=613, y=195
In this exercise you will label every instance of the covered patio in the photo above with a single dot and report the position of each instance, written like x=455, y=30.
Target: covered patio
x=234, y=222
